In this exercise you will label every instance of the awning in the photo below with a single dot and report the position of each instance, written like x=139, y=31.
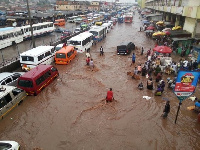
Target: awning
x=180, y=33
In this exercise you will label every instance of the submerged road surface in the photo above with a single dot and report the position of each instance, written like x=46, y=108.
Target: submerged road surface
x=70, y=113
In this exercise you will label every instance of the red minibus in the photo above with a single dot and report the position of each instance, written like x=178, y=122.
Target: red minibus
x=37, y=79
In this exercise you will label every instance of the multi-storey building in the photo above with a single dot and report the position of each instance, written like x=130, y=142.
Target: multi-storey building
x=185, y=13
x=70, y=5
x=77, y=5
x=94, y=6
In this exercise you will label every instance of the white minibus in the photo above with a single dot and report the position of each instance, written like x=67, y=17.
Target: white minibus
x=36, y=56
x=82, y=42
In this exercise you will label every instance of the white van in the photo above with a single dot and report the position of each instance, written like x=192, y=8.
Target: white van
x=10, y=97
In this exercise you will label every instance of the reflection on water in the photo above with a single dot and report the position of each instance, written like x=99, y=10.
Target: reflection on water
x=71, y=112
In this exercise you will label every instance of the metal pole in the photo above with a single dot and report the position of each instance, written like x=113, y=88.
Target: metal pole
x=2, y=56
x=29, y=14
x=178, y=112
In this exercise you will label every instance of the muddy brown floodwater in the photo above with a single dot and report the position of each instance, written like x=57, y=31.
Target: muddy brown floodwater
x=71, y=114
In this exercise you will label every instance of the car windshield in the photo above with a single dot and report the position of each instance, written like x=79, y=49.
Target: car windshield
x=60, y=55
x=94, y=33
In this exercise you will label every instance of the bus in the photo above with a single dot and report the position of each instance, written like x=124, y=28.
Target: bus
x=128, y=18
x=71, y=19
x=10, y=36
x=39, y=29
x=35, y=80
x=99, y=32
x=82, y=42
x=108, y=26
x=36, y=56
x=59, y=22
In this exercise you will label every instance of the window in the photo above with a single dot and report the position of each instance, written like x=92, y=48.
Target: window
x=8, y=80
x=40, y=80
x=8, y=98
x=47, y=53
x=40, y=57
x=15, y=76
x=60, y=55
x=2, y=102
x=5, y=100
x=69, y=53
x=25, y=83
x=27, y=58
x=16, y=91
x=3, y=83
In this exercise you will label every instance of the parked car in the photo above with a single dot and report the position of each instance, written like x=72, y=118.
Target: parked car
x=58, y=47
x=59, y=30
x=10, y=78
x=77, y=30
x=9, y=145
x=125, y=48
x=65, y=34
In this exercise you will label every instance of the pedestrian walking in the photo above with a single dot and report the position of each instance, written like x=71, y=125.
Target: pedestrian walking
x=87, y=61
x=166, y=110
x=150, y=84
x=142, y=51
x=91, y=63
x=101, y=51
x=133, y=58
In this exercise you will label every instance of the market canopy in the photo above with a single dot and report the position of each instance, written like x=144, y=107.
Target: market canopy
x=163, y=49
x=150, y=28
x=159, y=22
x=159, y=33
x=176, y=28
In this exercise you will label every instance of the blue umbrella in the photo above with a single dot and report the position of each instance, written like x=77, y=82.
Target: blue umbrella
x=145, y=21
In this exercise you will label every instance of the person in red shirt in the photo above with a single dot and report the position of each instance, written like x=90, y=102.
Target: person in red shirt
x=109, y=97
x=87, y=61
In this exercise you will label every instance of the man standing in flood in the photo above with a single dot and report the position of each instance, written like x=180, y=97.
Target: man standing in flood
x=101, y=51
x=166, y=110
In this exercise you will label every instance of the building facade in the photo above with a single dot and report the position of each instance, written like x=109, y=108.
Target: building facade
x=70, y=5
x=185, y=13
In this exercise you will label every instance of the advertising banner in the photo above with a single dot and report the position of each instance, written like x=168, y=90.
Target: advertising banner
x=186, y=83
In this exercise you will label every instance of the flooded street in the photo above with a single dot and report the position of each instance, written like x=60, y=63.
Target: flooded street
x=71, y=114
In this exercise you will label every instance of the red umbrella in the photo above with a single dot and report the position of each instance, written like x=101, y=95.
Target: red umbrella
x=163, y=49
x=167, y=32
x=150, y=28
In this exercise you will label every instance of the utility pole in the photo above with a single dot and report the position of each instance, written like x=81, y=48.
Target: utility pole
x=29, y=14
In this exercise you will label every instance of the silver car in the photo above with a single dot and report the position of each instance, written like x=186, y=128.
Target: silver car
x=10, y=78
x=9, y=145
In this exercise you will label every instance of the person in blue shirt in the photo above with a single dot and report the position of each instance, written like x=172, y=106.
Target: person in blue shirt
x=133, y=58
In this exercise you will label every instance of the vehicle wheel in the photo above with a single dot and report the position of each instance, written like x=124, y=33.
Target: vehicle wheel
x=20, y=102
x=35, y=94
x=13, y=43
